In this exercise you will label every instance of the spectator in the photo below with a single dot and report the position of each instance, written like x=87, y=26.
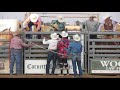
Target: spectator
x=108, y=25
x=32, y=20
x=91, y=26
x=59, y=24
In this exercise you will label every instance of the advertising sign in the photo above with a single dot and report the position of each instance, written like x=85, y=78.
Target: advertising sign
x=4, y=66
x=39, y=67
x=105, y=66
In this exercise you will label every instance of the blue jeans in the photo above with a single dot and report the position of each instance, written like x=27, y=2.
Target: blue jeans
x=51, y=56
x=16, y=54
x=76, y=60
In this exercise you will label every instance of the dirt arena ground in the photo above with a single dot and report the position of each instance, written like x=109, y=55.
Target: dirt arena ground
x=57, y=76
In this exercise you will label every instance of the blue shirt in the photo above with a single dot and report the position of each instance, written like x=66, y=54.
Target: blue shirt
x=75, y=47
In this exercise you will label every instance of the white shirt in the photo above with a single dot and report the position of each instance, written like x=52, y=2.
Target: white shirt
x=52, y=44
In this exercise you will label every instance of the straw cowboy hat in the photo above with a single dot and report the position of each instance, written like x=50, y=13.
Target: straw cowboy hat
x=54, y=36
x=34, y=17
x=64, y=34
x=76, y=37
x=18, y=32
x=60, y=18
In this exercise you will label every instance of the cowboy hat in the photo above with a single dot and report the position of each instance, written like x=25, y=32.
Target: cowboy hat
x=106, y=17
x=60, y=18
x=92, y=16
x=76, y=37
x=54, y=36
x=34, y=17
x=64, y=34
x=18, y=32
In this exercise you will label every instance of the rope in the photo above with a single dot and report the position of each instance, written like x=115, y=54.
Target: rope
x=46, y=49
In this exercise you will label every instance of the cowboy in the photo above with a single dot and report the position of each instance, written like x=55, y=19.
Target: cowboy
x=62, y=52
x=33, y=20
x=58, y=24
x=108, y=25
x=75, y=49
x=16, y=46
x=91, y=25
x=52, y=54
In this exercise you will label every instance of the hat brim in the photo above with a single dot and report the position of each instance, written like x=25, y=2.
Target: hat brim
x=33, y=20
x=52, y=37
x=78, y=39
x=60, y=20
x=92, y=16
x=64, y=35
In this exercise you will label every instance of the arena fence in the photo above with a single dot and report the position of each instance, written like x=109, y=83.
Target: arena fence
x=104, y=53
x=38, y=53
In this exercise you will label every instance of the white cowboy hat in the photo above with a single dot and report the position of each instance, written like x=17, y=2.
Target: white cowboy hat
x=34, y=17
x=107, y=16
x=60, y=18
x=54, y=36
x=64, y=34
x=76, y=37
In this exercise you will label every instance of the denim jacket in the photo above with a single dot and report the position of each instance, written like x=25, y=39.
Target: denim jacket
x=74, y=47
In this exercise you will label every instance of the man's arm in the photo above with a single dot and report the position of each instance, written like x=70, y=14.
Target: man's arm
x=39, y=23
x=45, y=42
x=25, y=45
x=114, y=25
x=25, y=23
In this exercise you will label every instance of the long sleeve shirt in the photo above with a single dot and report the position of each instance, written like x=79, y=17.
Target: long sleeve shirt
x=62, y=47
x=38, y=23
x=17, y=43
x=74, y=47
x=52, y=44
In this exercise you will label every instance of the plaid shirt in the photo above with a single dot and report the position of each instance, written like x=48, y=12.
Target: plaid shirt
x=17, y=43
x=62, y=47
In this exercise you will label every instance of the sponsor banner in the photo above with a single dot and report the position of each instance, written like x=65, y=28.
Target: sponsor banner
x=4, y=66
x=39, y=67
x=105, y=66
